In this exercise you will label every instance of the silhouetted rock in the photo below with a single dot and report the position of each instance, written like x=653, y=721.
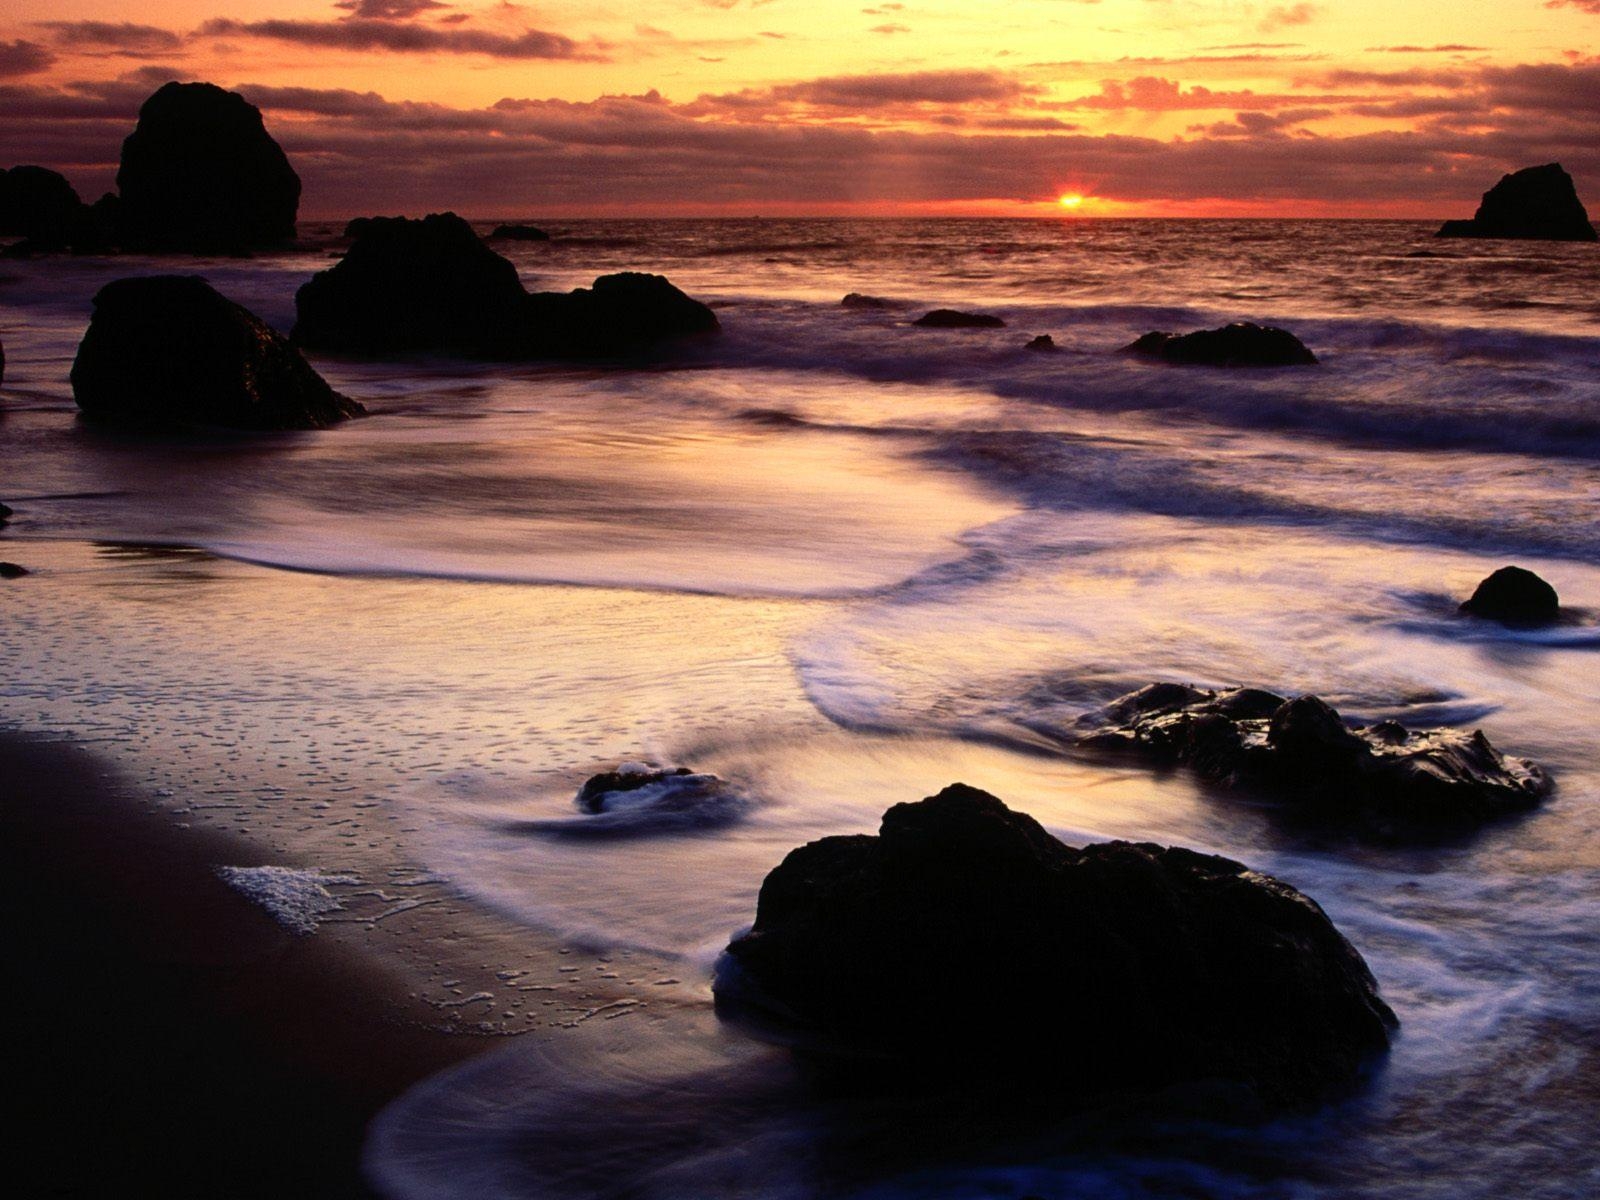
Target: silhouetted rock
x=170, y=350
x=40, y=206
x=412, y=285
x=858, y=300
x=1241, y=344
x=519, y=233
x=10, y=570
x=357, y=226
x=1044, y=343
x=5, y=514
x=201, y=174
x=1384, y=779
x=965, y=940
x=619, y=315
x=1535, y=203
x=641, y=798
x=949, y=318
x=2, y=380
x=1516, y=597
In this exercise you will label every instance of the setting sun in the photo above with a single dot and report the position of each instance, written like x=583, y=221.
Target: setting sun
x=1071, y=200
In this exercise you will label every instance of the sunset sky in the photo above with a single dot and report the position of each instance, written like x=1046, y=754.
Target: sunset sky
x=1143, y=107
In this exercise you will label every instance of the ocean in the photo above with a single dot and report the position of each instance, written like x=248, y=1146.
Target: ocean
x=843, y=561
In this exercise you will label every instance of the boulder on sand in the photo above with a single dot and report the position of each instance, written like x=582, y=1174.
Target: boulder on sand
x=168, y=350
x=1535, y=203
x=965, y=941
x=1515, y=597
x=201, y=174
x=1385, y=779
x=949, y=318
x=1241, y=344
x=518, y=233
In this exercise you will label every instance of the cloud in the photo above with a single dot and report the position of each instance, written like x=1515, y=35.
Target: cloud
x=388, y=10
x=1285, y=16
x=1588, y=6
x=914, y=87
x=23, y=58
x=359, y=33
x=124, y=37
x=890, y=28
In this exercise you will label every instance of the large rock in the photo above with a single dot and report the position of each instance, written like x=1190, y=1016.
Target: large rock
x=1384, y=779
x=40, y=206
x=965, y=939
x=170, y=350
x=412, y=286
x=201, y=174
x=1535, y=203
x=949, y=318
x=1241, y=344
x=1516, y=597
x=432, y=285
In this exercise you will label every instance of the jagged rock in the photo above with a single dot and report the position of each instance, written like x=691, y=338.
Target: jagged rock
x=170, y=350
x=519, y=233
x=964, y=940
x=1384, y=778
x=619, y=315
x=949, y=318
x=40, y=206
x=10, y=570
x=201, y=174
x=859, y=300
x=1535, y=203
x=1044, y=343
x=410, y=286
x=1516, y=597
x=1241, y=344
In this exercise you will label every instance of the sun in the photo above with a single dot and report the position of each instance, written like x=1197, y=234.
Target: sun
x=1071, y=200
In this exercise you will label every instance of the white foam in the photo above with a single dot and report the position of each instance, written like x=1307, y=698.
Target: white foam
x=297, y=897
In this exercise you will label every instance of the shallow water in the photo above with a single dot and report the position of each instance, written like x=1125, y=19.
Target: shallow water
x=841, y=562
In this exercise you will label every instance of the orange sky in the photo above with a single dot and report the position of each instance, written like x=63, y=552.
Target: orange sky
x=1143, y=107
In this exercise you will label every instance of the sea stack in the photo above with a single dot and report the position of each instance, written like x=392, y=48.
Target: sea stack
x=1535, y=203
x=200, y=174
x=169, y=350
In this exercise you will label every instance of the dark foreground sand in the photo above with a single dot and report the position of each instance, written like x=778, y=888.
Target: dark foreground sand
x=163, y=1035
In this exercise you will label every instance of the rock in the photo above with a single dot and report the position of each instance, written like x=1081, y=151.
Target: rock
x=858, y=300
x=2, y=380
x=357, y=226
x=6, y=514
x=949, y=318
x=169, y=350
x=965, y=940
x=619, y=315
x=10, y=570
x=40, y=206
x=432, y=285
x=1514, y=597
x=639, y=798
x=1241, y=344
x=1535, y=203
x=201, y=174
x=1385, y=779
x=411, y=286
x=518, y=233
x=1044, y=343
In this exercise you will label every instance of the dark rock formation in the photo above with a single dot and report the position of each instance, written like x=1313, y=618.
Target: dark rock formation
x=949, y=318
x=432, y=285
x=6, y=514
x=1241, y=344
x=426, y=285
x=10, y=570
x=357, y=226
x=965, y=939
x=201, y=174
x=1386, y=778
x=859, y=300
x=1516, y=597
x=1044, y=343
x=518, y=233
x=1536, y=203
x=169, y=350
x=619, y=315
x=40, y=206
x=640, y=798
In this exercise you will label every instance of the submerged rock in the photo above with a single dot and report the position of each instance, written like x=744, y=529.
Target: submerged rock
x=949, y=318
x=200, y=173
x=519, y=233
x=1516, y=597
x=1044, y=343
x=965, y=940
x=10, y=570
x=641, y=798
x=1241, y=344
x=1535, y=203
x=1300, y=752
x=860, y=300
x=170, y=350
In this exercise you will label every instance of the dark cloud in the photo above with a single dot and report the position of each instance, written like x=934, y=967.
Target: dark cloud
x=388, y=10
x=23, y=58
x=1588, y=6
x=915, y=87
x=358, y=33
x=1447, y=48
x=123, y=37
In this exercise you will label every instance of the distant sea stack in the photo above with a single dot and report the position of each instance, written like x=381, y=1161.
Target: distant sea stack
x=1536, y=203
x=201, y=174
